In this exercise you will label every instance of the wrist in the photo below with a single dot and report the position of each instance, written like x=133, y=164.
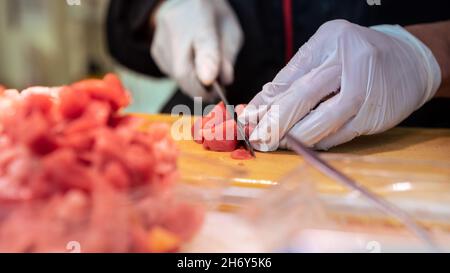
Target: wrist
x=424, y=56
x=437, y=37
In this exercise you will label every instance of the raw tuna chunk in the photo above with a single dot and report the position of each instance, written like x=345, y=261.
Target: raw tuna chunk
x=217, y=131
x=222, y=137
x=241, y=154
x=75, y=170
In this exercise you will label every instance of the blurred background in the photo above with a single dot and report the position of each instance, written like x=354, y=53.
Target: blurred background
x=55, y=42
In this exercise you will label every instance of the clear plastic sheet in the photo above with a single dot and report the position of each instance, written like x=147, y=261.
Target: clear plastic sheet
x=307, y=212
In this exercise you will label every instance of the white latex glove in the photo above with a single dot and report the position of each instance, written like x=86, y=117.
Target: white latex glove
x=196, y=41
x=382, y=74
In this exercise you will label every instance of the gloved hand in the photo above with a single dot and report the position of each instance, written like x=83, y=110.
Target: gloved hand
x=379, y=76
x=196, y=41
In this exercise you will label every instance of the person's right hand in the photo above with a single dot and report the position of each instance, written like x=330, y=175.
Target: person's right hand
x=346, y=81
x=196, y=42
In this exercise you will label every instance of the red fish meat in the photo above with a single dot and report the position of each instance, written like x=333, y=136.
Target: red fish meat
x=217, y=131
x=74, y=168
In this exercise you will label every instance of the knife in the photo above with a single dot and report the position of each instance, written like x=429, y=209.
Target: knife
x=217, y=88
x=314, y=159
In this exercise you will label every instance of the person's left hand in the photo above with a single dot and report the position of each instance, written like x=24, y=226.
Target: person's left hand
x=197, y=42
x=377, y=77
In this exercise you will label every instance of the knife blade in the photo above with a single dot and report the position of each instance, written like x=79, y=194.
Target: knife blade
x=240, y=127
x=314, y=159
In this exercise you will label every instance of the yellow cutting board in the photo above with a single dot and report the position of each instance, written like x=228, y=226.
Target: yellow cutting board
x=428, y=146
x=398, y=143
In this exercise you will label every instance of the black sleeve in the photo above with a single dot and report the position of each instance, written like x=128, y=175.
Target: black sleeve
x=128, y=35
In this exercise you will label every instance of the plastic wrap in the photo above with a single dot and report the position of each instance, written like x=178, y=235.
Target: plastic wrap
x=308, y=212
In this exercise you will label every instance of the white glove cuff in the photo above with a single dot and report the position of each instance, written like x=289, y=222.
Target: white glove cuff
x=427, y=57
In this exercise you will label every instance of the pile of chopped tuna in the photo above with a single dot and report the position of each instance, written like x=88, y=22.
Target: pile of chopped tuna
x=217, y=131
x=74, y=170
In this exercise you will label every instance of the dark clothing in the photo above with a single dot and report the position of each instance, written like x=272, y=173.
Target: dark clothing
x=262, y=21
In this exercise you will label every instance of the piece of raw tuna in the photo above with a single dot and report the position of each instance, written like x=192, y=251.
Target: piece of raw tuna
x=217, y=131
x=74, y=169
